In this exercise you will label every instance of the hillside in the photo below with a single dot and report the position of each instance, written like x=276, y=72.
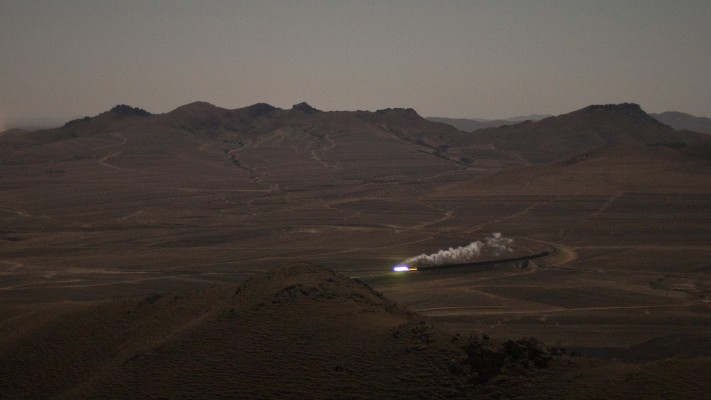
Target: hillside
x=609, y=169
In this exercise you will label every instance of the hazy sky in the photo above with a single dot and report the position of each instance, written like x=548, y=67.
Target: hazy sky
x=65, y=59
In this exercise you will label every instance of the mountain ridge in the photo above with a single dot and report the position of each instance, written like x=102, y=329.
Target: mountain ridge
x=322, y=137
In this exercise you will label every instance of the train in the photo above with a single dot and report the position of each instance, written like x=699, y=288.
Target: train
x=402, y=267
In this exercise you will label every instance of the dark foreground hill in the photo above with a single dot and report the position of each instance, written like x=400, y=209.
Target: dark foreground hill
x=299, y=331
x=295, y=332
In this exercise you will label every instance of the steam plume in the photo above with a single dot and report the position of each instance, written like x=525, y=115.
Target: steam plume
x=496, y=243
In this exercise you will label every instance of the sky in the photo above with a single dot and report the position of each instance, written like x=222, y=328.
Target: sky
x=61, y=60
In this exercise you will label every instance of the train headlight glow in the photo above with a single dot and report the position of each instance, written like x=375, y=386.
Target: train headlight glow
x=401, y=268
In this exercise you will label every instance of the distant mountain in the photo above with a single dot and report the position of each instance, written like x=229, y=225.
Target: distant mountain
x=290, y=148
x=530, y=117
x=469, y=125
x=682, y=121
x=14, y=131
x=463, y=124
x=295, y=148
x=567, y=135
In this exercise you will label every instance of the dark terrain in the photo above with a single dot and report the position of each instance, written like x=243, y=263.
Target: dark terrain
x=124, y=238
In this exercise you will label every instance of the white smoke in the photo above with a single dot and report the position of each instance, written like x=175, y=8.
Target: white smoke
x=496, y=244
x=499, y=244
